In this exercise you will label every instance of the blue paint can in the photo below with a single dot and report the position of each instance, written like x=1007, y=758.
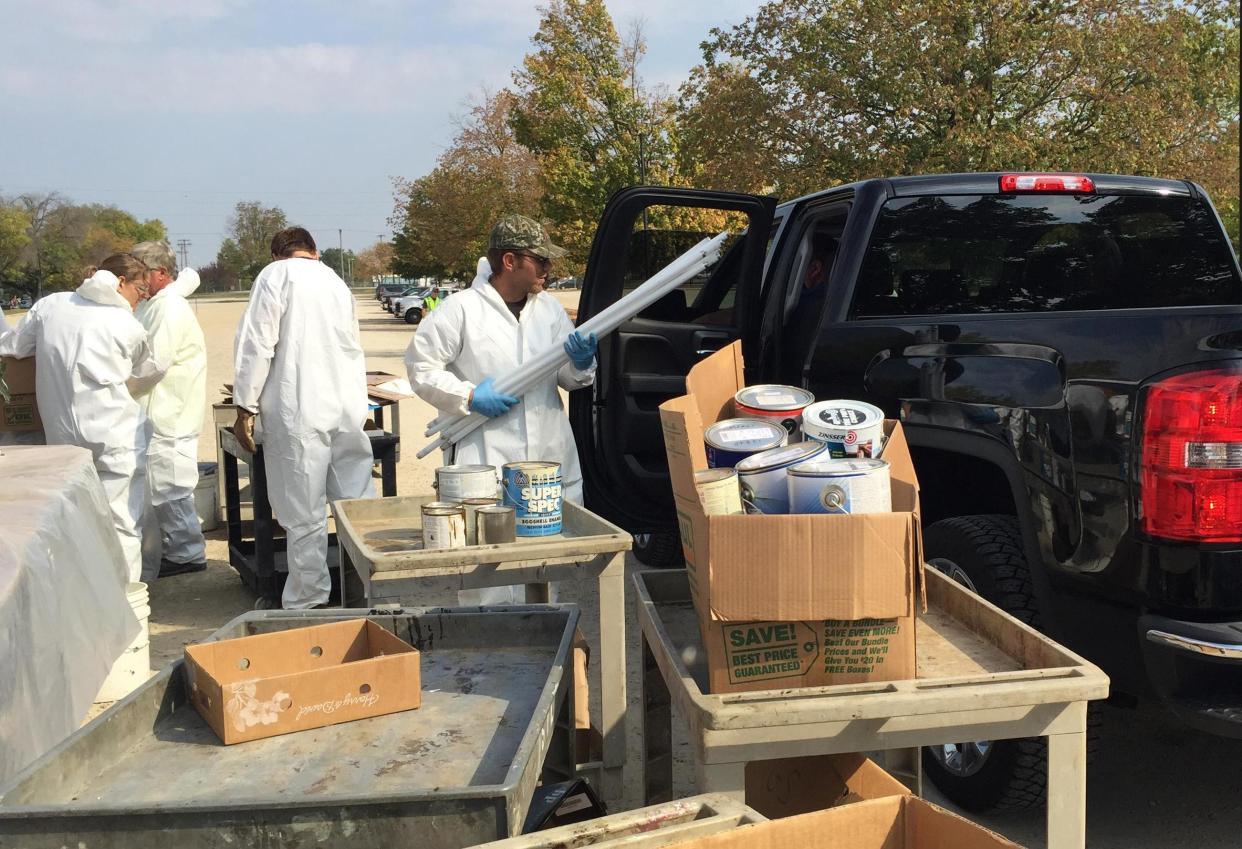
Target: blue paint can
x=762, y=475
x=533, y=489
x=731, y=440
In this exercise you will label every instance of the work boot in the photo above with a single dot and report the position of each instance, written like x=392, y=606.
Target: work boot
x=168, y=568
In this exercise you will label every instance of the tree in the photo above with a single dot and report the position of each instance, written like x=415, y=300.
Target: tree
x=341, y=263
x=578, y=109
x=14, y=238
x=374, y=262
x=809, y=93
x=442, y=220
x=248, y=247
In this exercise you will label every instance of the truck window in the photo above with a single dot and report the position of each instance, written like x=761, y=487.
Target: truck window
x=1035, y=253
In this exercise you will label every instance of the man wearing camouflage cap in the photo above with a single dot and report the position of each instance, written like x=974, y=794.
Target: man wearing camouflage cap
x=477, y=335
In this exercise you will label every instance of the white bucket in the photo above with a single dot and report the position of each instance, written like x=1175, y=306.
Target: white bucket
x=133, y=667
x=205, y=496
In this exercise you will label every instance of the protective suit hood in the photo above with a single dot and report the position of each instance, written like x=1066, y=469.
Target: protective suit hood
x=100, y=288
x=185, y=285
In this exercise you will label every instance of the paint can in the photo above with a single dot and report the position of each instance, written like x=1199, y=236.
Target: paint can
x=849, y=428
x=773, y=402
x=471, y=507
x=762, y=476
x=444, y=525
x=730, y=440
x=851, y=485
x=495, y=524
x=533, y=489
x=719, y=492
x=457, y=483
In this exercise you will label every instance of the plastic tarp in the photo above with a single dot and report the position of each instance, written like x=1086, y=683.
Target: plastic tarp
x=64, y=615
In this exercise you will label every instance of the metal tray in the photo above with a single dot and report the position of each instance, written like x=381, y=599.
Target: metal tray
x=460, y=770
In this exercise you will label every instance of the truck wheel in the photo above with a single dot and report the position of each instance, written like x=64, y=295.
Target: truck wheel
x=984, y=553
x=660, y=550
x=413, y=315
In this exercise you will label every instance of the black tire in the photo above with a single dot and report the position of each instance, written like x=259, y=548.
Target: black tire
x=661, y=550
x=413, y=315
x=988, y=549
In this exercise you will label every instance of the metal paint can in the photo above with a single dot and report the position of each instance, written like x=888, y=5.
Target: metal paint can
x=471, y=507
x=533, y=489
x=457, y=483
x=852, y=485
x=444, y=525
x=495, y=524
x=847, y=427
x=719, y=492
x=762, y=476
x=730, y=440
x=771, y=401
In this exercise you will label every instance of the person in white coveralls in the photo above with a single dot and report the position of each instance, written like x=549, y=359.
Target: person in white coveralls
x=299, y=366
x=175, y=408
x=88, y=346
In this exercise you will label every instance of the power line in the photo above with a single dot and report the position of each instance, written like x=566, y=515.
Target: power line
x=183, y=245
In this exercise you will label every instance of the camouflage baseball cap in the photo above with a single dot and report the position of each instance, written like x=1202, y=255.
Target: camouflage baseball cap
x=517, y=232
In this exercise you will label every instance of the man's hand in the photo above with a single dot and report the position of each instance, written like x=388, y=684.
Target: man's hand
x=243, y=429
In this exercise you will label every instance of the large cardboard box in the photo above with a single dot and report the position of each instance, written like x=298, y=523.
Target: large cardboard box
x=796, y=600
x=895, y=822
x=787, y=787
x=269, y=684
x=21, y=413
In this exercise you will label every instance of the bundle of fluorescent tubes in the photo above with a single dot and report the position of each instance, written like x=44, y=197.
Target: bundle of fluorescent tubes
x=453, y=427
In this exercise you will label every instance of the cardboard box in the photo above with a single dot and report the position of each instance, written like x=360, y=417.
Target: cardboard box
x=896, y=822
x=795, y=600
x=269, y=684
x=787, y=787
x=21, y=413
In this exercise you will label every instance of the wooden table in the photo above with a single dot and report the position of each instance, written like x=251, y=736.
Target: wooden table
x=983, y=675
x=383, y=562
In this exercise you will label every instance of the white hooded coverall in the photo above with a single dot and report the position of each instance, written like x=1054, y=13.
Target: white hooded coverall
x=299, y=364
x=472, y=335
x=175, y=408
x=87, y=345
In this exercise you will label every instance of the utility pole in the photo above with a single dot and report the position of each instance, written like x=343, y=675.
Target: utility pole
x=183, y=246
x=380, y=236
x=340, y=246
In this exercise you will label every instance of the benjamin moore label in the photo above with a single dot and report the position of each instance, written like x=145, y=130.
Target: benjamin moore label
x=857, y=647
x=762, y=651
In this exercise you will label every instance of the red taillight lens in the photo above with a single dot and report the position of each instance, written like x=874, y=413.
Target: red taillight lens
x=1074, y=183
x=1190, y=472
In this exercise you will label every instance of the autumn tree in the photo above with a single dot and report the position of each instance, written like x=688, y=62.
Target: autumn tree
x=248, y=247
x=579, y=111
x=442, y=220
x=374, y=262
x=809, y=93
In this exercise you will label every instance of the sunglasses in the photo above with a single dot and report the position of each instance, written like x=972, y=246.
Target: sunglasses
x=542, y=261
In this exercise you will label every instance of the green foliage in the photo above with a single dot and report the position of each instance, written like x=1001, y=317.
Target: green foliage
x=249, y=245
x=332, y=257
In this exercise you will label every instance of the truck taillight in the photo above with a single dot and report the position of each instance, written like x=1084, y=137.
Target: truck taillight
x=1190, y=471
x=1068, y=183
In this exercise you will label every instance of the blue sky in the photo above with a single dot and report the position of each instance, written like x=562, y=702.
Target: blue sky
x=177, y=109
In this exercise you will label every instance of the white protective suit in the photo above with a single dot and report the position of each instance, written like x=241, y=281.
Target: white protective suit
x=88, y=345
x=299, y=364
x=472, y=335
x=175, y=408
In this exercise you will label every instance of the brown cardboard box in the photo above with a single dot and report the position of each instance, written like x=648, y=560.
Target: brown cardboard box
x=21, y=414
x=798, y=600
x=786, y=787
x=269, y=684
x=895, y=822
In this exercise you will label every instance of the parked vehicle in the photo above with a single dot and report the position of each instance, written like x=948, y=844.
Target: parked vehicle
x=384, y=290
x=410, y=307
x=1065, y=354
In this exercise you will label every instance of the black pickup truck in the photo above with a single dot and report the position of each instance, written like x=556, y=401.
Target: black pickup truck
x=1065, y=352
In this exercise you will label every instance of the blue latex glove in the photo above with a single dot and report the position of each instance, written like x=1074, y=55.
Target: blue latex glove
x=486, y=400
x=581, y=349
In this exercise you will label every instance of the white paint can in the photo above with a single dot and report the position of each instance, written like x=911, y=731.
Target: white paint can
x=719, y=492
x=848, y=428
x=444, y=525
x=459, y=482
x=762, y=476
x=852, y=485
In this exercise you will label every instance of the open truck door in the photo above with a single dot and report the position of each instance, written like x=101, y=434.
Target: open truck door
x=645, y=361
